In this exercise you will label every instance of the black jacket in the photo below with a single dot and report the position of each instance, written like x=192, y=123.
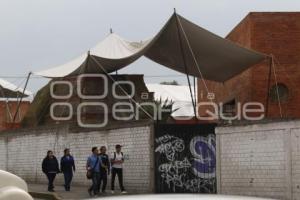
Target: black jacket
x=67, y=164
x=105, y=166
x=50, y=165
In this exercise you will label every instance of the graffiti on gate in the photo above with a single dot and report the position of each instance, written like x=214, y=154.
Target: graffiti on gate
x=203, y=150
x=169, y=145
x=188, y=166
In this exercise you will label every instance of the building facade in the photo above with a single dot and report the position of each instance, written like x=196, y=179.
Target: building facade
x=8, y=109
x=276, y=34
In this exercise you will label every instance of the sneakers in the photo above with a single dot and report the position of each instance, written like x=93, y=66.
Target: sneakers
x=67, y=188
x=122, y=192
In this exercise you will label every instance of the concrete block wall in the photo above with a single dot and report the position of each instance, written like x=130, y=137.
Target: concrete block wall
x=3, y=151
x=295, y=162
x=259, y=160
x=27, y=148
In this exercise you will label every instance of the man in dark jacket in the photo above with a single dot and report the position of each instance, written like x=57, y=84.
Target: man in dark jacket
x=50, y=168
x=67, y=165
x=104, y=168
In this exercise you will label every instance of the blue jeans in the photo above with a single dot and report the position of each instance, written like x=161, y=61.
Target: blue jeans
x=96, y=183
x=68, y=175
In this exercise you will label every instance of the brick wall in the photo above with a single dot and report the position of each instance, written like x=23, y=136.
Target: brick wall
x=224, y=91
x=27, y=148
x=259, y=160
x=4, y=112
x=276, y=33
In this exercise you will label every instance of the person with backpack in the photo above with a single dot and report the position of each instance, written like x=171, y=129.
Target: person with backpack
x=104, y=168
x=93, y=171
x=50, y=168
x=67, y=166
x=117, y=169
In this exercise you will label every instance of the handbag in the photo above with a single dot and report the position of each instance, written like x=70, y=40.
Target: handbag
x=89, y=173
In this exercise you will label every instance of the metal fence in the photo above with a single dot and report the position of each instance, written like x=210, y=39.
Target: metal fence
x=185, y=158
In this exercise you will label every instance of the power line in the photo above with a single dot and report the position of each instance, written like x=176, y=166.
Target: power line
x=165, y=76
x=19, y=77
x=40, y=77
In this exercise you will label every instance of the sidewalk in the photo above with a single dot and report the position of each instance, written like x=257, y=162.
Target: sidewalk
x=77, y=192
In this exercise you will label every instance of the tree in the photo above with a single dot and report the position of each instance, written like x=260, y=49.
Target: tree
x=169, y=83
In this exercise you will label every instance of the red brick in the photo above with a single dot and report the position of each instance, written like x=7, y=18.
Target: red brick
x=276, y=33
x=4, y=114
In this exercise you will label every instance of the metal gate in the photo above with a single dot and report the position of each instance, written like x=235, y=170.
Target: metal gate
x=185, y=158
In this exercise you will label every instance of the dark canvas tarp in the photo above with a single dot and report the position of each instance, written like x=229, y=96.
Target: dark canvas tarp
x=216, y=58
x=9, y=90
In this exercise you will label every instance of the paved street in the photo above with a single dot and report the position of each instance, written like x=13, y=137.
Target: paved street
x=77, y=192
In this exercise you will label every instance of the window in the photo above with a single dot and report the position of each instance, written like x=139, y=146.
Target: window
x=283, y=93
x=229, y=108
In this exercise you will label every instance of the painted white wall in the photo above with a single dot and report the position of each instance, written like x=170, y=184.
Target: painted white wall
x=26, y=150
x=259, y=160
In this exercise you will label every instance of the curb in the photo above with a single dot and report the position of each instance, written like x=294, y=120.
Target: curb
x=48, y=196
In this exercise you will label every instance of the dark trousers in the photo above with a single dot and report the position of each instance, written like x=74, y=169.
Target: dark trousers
x=96, y=181
x=68, y=175
x=119, y=173
x=51, y=177
x=103, y=179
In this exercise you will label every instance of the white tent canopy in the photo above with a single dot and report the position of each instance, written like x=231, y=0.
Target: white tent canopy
x=180, y=96
x=180, y=45
x=113, y=48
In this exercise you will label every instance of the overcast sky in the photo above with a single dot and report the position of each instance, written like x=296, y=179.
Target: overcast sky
x=39, y=34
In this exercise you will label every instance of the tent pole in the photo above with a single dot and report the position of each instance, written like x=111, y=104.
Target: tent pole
x=111, y=32
x=83, y=71
x=195, y=90
x=122, y=89
x=6, y=104
x=184, y=64
x=268, y=87
x=277, y=90
x=21, y=98
x=193, y=55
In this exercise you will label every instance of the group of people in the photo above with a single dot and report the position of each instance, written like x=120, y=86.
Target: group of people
x=50, y=167
x=98, y=167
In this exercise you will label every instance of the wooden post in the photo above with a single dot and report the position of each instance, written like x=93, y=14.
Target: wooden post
x=19, y=103
x=268, y=86
x=184, y=63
